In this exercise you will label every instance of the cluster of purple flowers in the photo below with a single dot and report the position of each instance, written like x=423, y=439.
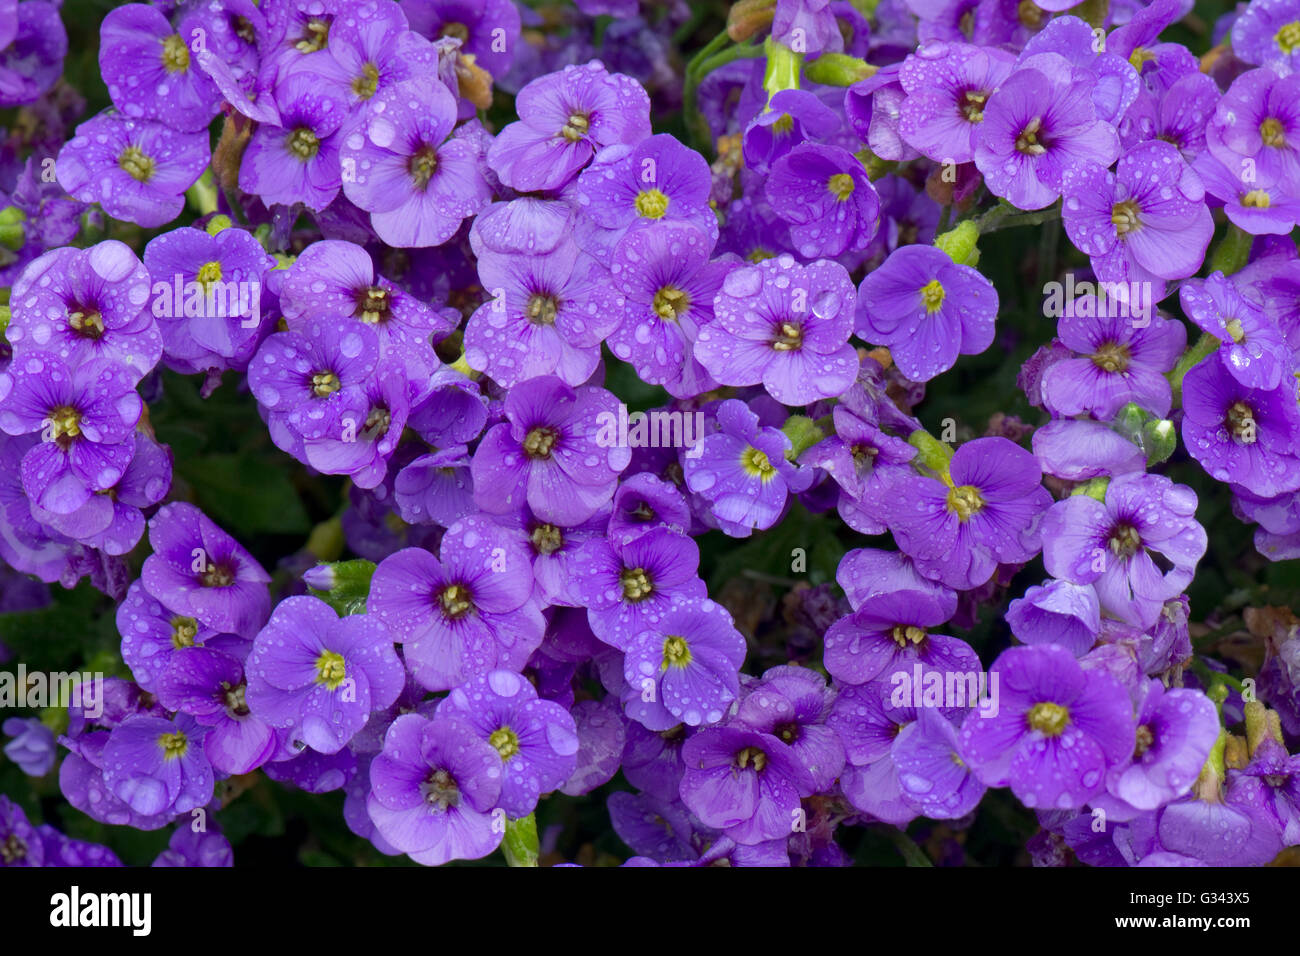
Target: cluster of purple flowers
x=430, y=307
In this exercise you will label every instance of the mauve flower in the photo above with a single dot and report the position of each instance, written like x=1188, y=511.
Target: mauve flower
x=1058, y=612
x=158, y=766
x=948, y=86
x=1057, y=731
x=826, y=196
x=784, y=325
x=1257, y=354
x=1176, y=730
x=297, y=160
x=1266, y=34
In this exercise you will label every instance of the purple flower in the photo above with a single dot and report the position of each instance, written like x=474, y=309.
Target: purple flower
x=1257, y=354
x=927, y=309
x=1058, y=612
x=745, y=783
x=628, y=189
x=85, y=414
x=1265, y=34
x=986, y=512
x=320, y=675
x=786, y=326
x=1255, y=130
x=401, y=165
x=791, y=117
x=1144, y=222
x=932, y=776
x=1057, y=731
x=138, y=170
x=743, y=472
x=793, y=704
x=667, y=288
x=1246, y=436
x=552, y=452
x=1108, y=544
x=463, y=613
x=1040, y=123
x=683, y=667
x=1175, y=731
x=807, y=26
x=1279, y=772
x=208, y=295
x=889, y=633
x=199, y=571
x=31, y=56
x=149, y=71
x=86, y=304
x=824, y=193
x=536, y=740
x=151, y=634
x=628, y=587
x=21, y=844
x=1075, y=450
x=1119, y=360
x=158, y=766
x=644, y=502
x=948, y=87
x=432, y=789
x=297, y=161
x=435, y=488
x=32, y=747
x=190, y=848
x=564, y=118
x=1253, y=199
x=547, y=316
x=489, y=30
x=209, y=685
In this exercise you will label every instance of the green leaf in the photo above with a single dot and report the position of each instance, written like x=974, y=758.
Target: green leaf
x=520, y=845
x=245, y=495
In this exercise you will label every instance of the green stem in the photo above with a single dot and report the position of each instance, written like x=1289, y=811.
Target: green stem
x=1005, y=216
x=1205, y=346
x=783, y=66
x=701, y=65
x=912, y=853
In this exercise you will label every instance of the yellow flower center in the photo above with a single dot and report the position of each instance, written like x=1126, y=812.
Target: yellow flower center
x=637, y=585
x=751, y=756
x=789, y=337
x=173, y=745
x=540, y=442
x=65, y=424
x=1272, y=132
x=1140, y=57
x=677, y=652
x=303, y=143
x=455, y=601
x=506, y=742
x=756, y=464
x=670, y=302
x=972, y=105
x=422, y=165
x=840, y=186
x=1241, y=422
x=137, y=165
x=1124, y=541
x=1288, y=37
x=1048, y=719
x=904, y=634
x=1257, y=199
x=965, y=501
x=184, y=630
x=1112, y=357
x=325, y=383
x=1235, y=331
x=576, y=127
x=372, y=305
x=651, y=204
x=547, y=539
x=88, y=322
x=330, y=669
x=542, y=309
x=175, y=54
x=366, y=82
x=1027, y=142
x=932, y=295
x=315, y=36
x=1124, y=217
x=209, y=273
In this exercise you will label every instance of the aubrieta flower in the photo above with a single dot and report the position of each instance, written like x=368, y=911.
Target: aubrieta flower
x=985, y=512
x=1246, y=436
x=319, y=675
x=536, y=739
x=655, y=181
x=151, y=634
x=1279, y=772
x=793, y=704
x=1058, y=612
x=207, y=293
x=807, y=26
x=1253, y=199
x=1117, y=87
x=1039, y=124
x=1158, y=65
x=889, y=633
x=209, y=685
x=432, y=789
x=684, y=667
x=488, y=30
x=31, y=56
x=463, y=613
x=826, y=196
x=564, y=118
x=1258, y=120
x=948, y=86
x=1266, y=34
x=790, y=118
x=138, y=170
x=158, y=766
x=1057, y=732
x=199, y=571
x=1257, y=355
x=86, y=304
x=786, y=326
x=629, y=587
x=1108, y=544
x=190, y=848
x=932, y=776
x=85, y=415
x=547, y=316
x=1144, y=222
x=745, y=783
x=551, y=452
x=402, y=165
x=927, y=309
x=1120, y=359
x=297, y=161
x=868, y=719
x=743, y=471
x=1177, y=116
x=149, y=71
x=32, y=747
x=667, y=286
